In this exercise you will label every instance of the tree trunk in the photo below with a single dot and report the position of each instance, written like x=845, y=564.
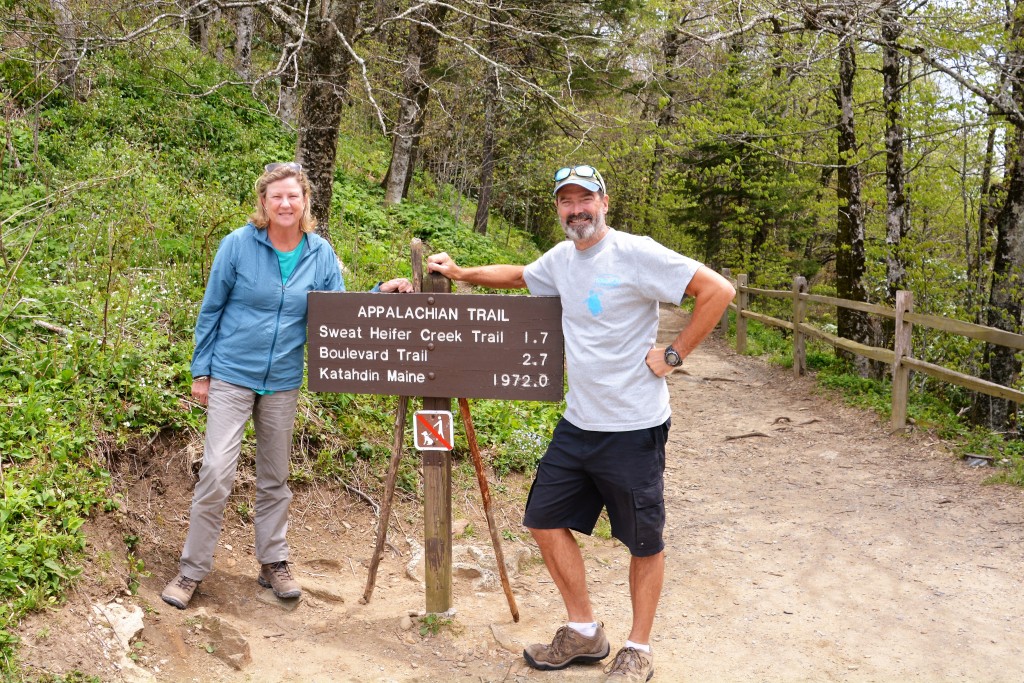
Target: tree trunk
x=987, y=215
x=408, y=113
x=193, y=22
x=401, y=151
x=288, y=95
x=417, y=135
x=667, y=116
x=245, y=27
x=666, y=121
x=67, y=66
x=1007, y=291
x=483, y=199
x=850, y=219
x=204, y=27
x=328, y=62
x=896, y=221
x=288, y=91
x=420, y=56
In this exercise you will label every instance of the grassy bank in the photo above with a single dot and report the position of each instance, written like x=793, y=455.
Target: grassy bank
x=111, y=209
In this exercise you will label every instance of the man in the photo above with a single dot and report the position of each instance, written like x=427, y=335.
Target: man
x=608, y=449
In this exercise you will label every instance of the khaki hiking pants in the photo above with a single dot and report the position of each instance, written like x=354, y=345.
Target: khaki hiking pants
x=273, y=416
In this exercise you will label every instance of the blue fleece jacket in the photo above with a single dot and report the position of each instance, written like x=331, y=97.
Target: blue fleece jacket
x=251, y=329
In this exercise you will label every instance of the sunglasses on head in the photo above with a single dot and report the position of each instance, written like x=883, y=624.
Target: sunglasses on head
x=290, y=165
x=586, y=172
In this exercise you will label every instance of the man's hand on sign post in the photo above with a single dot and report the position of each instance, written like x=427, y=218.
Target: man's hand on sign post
x=445, y=265
x=497, y=276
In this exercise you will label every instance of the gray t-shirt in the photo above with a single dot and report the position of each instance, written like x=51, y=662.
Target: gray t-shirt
x=610, y=294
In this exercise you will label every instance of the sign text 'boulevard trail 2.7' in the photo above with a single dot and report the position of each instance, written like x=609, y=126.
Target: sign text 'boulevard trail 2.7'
x=444, y=345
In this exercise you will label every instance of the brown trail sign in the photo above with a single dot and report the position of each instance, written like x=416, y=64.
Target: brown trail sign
x=455, y=345
x=439, y=346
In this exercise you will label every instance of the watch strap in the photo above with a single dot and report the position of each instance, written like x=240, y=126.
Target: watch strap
x=669, y=354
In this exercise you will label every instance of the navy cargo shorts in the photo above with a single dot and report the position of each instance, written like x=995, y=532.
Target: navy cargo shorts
x=584, y=471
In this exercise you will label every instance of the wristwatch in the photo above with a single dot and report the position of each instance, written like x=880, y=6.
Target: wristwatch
x=672, y=357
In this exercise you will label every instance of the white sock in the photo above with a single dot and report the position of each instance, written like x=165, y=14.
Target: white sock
x=638, y=646
x=583, y=628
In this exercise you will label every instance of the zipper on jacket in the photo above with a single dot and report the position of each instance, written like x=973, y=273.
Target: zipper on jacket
x=306, y=254
x=273, y=342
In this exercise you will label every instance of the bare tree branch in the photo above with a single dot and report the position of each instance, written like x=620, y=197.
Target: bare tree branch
x=1000, y=101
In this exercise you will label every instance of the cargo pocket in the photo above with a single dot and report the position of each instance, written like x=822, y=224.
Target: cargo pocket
x=649, y=506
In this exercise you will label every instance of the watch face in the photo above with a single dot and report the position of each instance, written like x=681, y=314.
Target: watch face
x=672, y=357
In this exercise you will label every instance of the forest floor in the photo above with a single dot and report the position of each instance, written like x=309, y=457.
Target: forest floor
x=805, y=542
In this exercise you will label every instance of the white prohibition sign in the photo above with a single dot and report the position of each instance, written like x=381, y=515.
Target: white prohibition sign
x=433, y=430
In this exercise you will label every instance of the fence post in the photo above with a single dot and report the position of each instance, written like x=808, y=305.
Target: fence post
x=901, y=349
x=724, y=324
x=741, y=303
x=799, y=341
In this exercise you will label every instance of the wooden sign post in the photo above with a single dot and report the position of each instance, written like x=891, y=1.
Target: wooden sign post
x=439, y=346
x=437, y=500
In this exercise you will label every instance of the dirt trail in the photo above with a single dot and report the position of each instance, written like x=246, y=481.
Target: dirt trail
x=823, y=548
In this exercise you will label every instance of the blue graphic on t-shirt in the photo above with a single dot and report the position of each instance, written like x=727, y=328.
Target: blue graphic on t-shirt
x=601, y=283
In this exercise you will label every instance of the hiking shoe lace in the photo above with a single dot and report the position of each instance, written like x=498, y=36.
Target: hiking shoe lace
x=277, y=576
x=567, y=647
x=561, y=643
x=630, y=665
x=179, y=591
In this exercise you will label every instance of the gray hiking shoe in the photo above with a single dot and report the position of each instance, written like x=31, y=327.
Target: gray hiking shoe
x=179, y=591
x=277, y=576
x=568, y=647
x=630, y=665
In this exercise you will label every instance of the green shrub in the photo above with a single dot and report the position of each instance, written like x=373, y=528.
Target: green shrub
x=109, y=232
x=42, y=511
x=516, y=432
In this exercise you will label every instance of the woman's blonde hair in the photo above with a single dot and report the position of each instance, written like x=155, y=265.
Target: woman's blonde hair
x=259, y=217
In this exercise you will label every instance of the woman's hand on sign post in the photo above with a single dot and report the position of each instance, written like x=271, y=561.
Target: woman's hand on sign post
x=398, y=284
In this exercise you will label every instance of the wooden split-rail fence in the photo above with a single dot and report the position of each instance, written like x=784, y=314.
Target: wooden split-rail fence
x=900, y=358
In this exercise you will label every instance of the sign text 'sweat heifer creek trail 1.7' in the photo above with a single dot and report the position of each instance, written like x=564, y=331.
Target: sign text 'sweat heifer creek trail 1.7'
x=446, y=345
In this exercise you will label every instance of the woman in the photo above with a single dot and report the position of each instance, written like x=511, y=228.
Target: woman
x=248, y=362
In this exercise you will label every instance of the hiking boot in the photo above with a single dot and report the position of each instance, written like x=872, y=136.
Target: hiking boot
x=179, y=591
x=568, y=647
x=630, y=665
x=277, y=576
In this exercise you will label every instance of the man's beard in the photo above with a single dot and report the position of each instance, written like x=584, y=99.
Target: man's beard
x=581, y=232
